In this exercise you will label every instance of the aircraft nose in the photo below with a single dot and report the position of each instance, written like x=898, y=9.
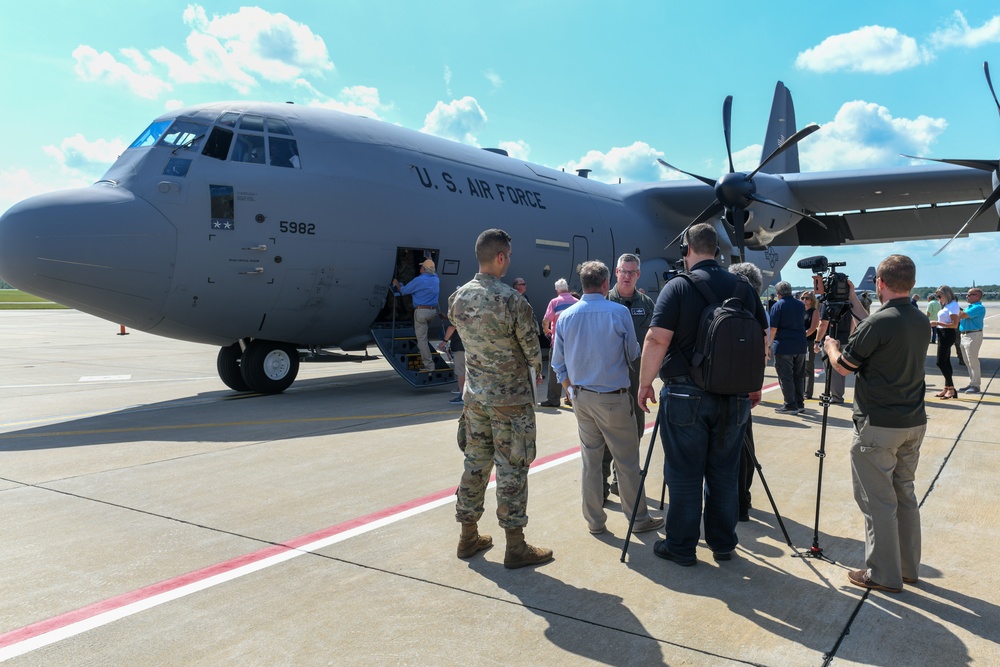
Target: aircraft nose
x=98, y=249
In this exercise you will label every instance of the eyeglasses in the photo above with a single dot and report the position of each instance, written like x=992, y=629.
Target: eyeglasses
x=520, y=284
x=623, y=272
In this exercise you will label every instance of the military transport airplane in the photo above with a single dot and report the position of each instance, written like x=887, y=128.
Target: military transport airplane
x=274, y=230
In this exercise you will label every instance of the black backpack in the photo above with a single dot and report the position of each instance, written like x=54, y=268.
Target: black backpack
x=729, y=351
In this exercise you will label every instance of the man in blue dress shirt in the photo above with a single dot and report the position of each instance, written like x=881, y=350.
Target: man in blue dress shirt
x=425, y=290
x=971, y=329
x=593, y=347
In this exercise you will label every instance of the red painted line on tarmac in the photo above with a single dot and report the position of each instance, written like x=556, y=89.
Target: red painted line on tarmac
x=29, y=632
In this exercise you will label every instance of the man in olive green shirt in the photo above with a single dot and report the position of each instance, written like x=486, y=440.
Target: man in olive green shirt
x=888, y=351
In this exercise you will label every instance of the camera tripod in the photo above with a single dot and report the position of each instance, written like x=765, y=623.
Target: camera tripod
x=815, y=551
x=645, y=469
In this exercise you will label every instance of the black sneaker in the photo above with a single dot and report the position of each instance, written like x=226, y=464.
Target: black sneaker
x=661, y=550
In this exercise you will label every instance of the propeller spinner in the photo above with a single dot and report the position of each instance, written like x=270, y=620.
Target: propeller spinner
x=736, y=191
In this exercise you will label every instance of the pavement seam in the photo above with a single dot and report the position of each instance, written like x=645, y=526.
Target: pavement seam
x=537, y=608
x=829, y=657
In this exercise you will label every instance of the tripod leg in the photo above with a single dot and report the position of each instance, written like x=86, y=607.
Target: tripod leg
x=815, y=551
x=760, y=473
x=642, y=484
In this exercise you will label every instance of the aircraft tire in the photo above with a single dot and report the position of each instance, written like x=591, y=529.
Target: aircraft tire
x=268, y=367
x=228, y=366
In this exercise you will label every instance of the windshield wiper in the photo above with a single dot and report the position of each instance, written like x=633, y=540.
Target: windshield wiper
x=187, y=144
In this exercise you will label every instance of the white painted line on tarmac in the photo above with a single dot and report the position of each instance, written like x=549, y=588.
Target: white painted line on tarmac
x=34, y=636
x=105, y=378
x=44, y=633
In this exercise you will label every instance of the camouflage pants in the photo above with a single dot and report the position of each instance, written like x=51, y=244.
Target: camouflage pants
x=505, y=436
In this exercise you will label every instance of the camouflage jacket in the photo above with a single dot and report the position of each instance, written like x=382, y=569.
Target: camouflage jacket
x=500, y=334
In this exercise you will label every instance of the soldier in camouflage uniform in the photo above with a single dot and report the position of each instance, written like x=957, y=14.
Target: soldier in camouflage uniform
x=500, y=335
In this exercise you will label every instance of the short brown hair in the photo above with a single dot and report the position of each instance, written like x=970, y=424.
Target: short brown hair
x=702, y=239
x=491, y=243
x=898, y=272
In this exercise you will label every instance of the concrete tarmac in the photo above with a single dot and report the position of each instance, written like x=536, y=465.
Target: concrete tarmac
x=149, y=515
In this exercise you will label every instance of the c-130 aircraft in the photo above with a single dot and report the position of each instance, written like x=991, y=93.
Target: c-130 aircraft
x=274, y=230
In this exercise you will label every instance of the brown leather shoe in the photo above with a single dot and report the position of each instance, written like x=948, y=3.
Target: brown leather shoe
x=910, y=580
x=860, y=578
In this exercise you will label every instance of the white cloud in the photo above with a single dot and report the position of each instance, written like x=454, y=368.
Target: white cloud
x=357, y=100
x=635, y=163
x=494, y=79
x=864, y=134
x=91, y=158
x=103, y=67
x=517, y=149
x=447, y=80
x=958, y=33
x=19, y=184
x=235, y=49
x=873, y=49
x=459, y=120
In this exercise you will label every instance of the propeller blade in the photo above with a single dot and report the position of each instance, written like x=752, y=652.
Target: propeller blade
x=984, y=165
x=703, y=179
x=727, y=124
x=713, y=210
x=788, y=143
x=989, y=82
x=990, y=201
x=679, y=236
x=775, y=204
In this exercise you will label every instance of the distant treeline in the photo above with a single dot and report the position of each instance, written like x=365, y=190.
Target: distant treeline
x=989, y=291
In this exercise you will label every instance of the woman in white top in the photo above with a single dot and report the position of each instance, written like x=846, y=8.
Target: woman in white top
x=947, y=327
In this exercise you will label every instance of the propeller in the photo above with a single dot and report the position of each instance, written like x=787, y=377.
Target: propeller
x=985, y=165
x=736, y=191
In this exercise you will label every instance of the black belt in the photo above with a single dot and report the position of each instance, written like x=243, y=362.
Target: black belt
x=613, y=391
x=679, y=379
x=428, y=307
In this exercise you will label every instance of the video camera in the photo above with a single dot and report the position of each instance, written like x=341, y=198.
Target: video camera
x=833, y=288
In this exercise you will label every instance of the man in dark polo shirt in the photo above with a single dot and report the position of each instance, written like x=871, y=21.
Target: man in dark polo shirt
x=702, y=432
x=887, y=351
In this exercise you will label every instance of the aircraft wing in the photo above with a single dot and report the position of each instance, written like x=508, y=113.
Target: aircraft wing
x=873, y=205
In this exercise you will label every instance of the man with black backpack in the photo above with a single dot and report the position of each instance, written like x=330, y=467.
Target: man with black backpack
x=706, y=342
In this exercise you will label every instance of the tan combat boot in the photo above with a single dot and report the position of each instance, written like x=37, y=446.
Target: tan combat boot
x=520, y=553
x=472, y=542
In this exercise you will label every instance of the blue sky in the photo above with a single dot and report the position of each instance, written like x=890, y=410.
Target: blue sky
x=609, y=86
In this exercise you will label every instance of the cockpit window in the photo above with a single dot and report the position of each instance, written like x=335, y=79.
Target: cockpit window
x=278, y=126
x=218, y=143
x=249, y=148
x=177, y=167
x=252, y=123
x=284, y=152
x=151, y=134
x=228, y=119
x=184, y=134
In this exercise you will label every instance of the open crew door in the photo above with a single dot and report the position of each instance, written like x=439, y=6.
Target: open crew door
x=393, y=327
